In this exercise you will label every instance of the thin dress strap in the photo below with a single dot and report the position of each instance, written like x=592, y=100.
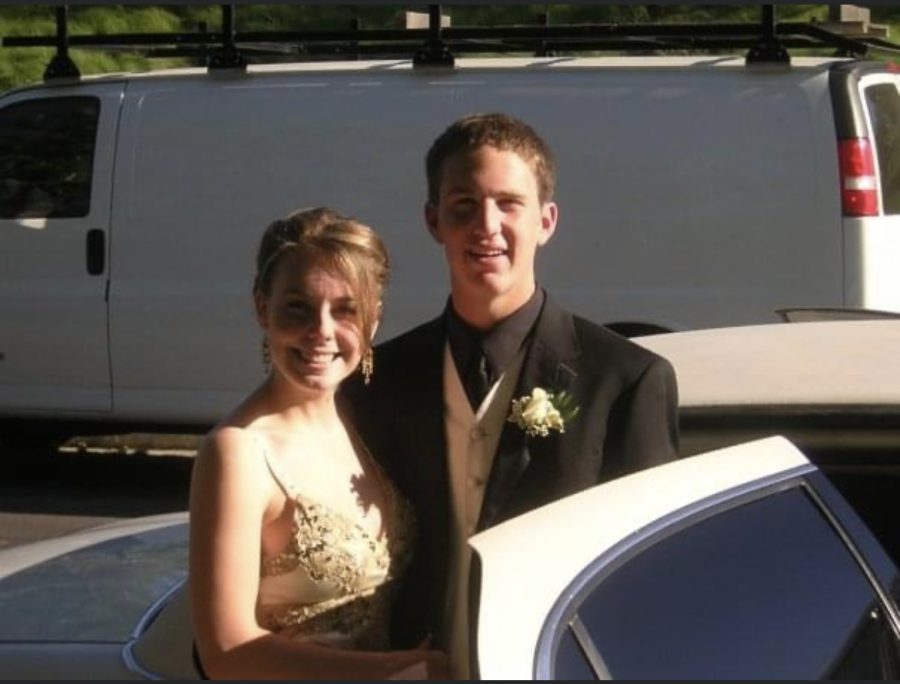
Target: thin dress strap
x=304, y=502
x=275, y=471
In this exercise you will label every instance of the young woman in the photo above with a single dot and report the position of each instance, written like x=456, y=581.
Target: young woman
x=297, y=536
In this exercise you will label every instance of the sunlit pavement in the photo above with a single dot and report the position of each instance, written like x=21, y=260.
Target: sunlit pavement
x=21, y=528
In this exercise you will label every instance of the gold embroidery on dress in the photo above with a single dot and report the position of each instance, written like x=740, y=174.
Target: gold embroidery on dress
x=320, y=544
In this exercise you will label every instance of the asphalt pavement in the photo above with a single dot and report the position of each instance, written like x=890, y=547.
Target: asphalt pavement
x=48, y=492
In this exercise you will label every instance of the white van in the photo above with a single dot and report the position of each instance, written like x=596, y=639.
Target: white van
x=693, y=192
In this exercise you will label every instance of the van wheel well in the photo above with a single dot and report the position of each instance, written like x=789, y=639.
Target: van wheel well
x=631, y=329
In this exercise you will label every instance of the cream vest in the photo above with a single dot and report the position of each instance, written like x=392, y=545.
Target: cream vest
x=472, y=439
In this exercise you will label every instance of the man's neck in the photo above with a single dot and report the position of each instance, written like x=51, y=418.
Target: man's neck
x=484, y=314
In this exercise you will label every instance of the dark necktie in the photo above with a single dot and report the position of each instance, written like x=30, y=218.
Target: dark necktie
x=477, y=381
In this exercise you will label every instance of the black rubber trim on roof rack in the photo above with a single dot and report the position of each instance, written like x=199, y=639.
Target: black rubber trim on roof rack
x=228, y=56
x=768, y=49
x=766, y=42
x=61, y=65
x=435, y=51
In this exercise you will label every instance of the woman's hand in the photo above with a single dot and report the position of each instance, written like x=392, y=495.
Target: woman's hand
x=429, y=663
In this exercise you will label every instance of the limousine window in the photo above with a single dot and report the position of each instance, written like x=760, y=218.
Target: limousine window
x=701, y=603
x=47, y=157
x=871, y=654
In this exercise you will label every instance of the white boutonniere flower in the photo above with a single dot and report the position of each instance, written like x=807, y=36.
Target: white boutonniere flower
x=542, y=411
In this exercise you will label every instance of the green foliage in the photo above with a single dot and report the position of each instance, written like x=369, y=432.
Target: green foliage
x=886, y=14
x=21, y=66
x=299, y=17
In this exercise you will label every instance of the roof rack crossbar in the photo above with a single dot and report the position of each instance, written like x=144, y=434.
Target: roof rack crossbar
x=855, y=46
x=333, y=51
x=385, y=35
x=766, y=41
x=450, y=35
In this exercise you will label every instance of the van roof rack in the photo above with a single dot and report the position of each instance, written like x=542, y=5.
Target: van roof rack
x=766, y=42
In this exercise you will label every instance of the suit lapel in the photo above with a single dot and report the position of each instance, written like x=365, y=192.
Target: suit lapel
x=547, y=364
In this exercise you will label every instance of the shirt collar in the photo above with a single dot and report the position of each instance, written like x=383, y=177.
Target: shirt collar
x=501, y=343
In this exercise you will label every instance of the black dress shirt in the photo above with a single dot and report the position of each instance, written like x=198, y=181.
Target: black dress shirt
x=499, y=344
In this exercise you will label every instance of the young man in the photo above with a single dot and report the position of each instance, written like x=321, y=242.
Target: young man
x=454, y=452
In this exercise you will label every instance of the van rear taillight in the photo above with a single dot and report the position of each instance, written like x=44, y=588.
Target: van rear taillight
x=859, y=187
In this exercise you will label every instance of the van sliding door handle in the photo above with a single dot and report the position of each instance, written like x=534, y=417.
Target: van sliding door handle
x=96, y=251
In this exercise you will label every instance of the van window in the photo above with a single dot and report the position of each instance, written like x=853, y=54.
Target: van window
x=47, y=156
x=884, y=108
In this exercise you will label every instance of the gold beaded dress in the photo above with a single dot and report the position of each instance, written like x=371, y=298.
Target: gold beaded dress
x=334, y=582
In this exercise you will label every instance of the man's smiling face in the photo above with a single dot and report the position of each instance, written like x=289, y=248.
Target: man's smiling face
x=491, y=221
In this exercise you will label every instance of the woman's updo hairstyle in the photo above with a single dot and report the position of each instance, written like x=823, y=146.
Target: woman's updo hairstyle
x=349, y=249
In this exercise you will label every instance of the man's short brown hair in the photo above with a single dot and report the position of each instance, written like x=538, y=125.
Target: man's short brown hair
x=497, y=130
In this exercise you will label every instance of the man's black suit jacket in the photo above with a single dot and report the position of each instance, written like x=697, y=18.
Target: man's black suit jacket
x=627, y=421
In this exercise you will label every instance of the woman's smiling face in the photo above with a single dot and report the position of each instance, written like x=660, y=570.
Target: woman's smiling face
x=311, y=317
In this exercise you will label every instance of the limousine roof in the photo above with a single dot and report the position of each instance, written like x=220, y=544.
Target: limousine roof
x=847, y=364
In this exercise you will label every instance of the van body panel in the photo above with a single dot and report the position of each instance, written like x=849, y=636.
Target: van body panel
x=699, y=195
x=268, y=144
x=700, y=216
x=53, y=337
x=873, y=276
x=276, y=145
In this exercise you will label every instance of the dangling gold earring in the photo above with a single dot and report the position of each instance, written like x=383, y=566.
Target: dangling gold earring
x=266, y=354
x=367, y=366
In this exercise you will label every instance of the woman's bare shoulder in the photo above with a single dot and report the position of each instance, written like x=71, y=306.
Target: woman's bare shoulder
x=230, y=461
x=230, y=447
